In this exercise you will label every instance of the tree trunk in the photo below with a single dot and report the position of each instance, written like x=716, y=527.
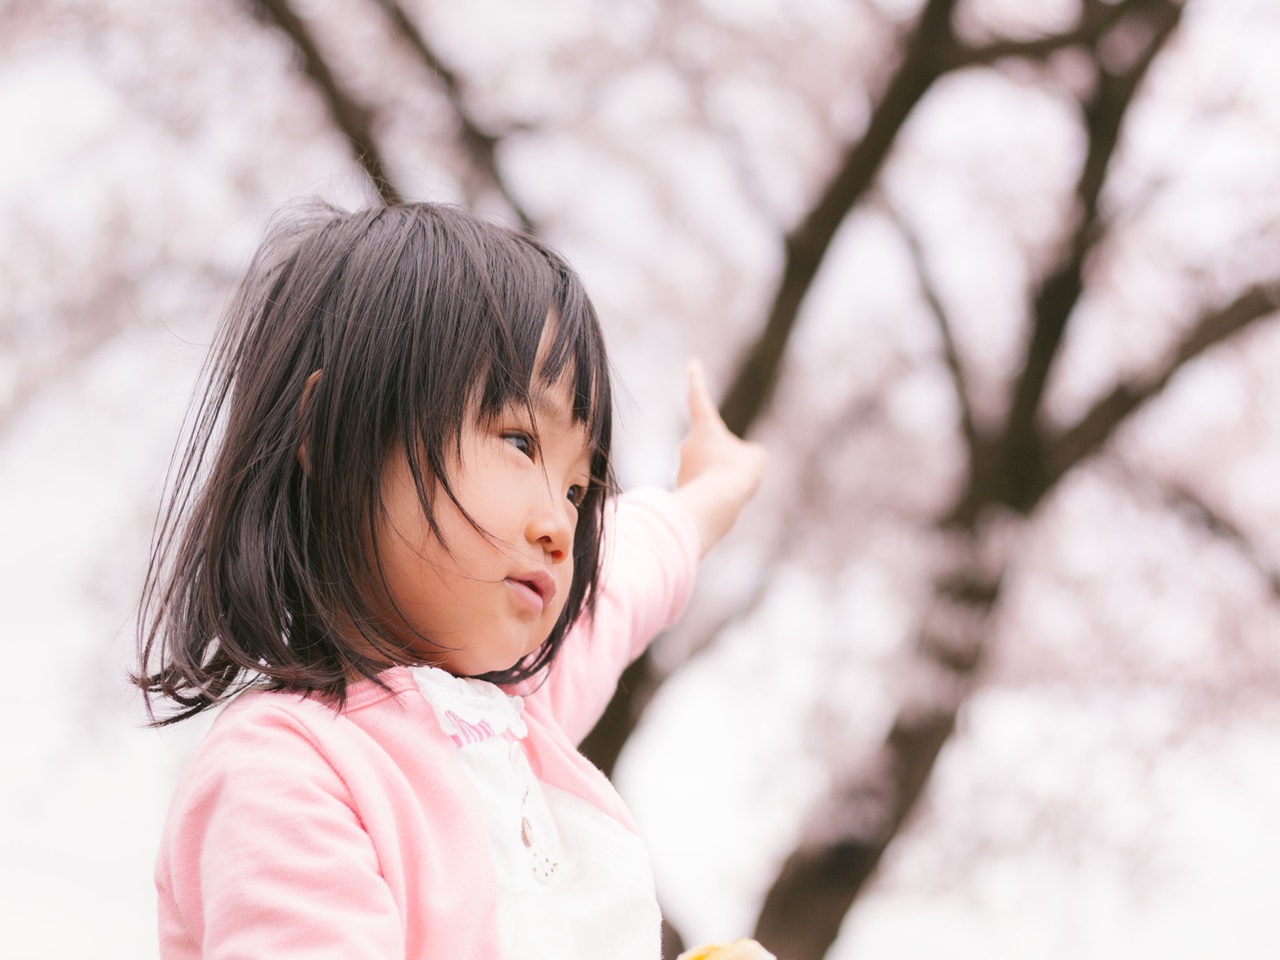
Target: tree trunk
x=846, y=839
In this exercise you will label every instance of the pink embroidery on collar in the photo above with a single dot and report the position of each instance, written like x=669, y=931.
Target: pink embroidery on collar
x=468, y=732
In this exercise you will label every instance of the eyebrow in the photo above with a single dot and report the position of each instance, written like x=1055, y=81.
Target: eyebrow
x=545, y=409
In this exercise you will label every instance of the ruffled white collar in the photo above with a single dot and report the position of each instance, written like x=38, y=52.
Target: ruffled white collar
x=470, y=709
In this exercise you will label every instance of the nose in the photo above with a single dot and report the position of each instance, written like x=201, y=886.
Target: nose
x=551, y=526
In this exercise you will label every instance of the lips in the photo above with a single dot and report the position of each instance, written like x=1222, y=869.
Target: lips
x=537, y=586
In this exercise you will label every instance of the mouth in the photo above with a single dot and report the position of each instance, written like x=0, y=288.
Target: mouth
x=537, y=586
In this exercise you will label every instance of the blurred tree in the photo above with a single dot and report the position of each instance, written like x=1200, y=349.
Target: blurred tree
x=785, y=135
x=1014, y=461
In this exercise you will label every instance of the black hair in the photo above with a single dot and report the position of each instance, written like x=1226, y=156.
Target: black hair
x=417, y=317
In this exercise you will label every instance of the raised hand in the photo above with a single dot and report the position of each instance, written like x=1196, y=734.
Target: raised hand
x=719, y=472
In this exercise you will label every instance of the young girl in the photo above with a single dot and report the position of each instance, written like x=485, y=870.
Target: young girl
x=393, y=546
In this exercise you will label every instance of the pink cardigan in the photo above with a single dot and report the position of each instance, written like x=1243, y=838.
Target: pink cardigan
x=298, y=831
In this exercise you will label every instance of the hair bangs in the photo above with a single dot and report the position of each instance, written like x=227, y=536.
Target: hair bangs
x=547, y=336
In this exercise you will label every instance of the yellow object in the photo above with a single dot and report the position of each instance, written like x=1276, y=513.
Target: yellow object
x=744, y=949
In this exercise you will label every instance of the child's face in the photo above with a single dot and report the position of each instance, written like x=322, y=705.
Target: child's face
x=486, y=602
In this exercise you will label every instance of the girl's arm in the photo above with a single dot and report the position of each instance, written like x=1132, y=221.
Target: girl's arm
x=264, y=855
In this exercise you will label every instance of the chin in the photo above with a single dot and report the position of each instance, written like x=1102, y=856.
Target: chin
x=493, y=662
x=496, y=666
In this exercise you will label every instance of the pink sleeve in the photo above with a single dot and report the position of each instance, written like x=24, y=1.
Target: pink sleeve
x=651, y=553
x=265, y=856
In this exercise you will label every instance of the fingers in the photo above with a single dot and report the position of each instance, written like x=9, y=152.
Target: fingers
x=702, y=409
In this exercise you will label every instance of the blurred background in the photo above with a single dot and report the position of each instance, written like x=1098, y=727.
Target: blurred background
x=991, y=665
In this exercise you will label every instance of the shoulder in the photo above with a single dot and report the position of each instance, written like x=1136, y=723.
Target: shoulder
x=266, y=735
x=260, y=742
x=278, y=717
x=274, y=755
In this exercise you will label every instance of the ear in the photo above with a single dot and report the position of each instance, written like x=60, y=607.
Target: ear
x=308, y=389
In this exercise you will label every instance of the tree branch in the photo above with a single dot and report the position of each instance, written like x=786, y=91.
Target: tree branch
x=480, y=145
x=1188, y=504
x=932, y=51
x=951, y=356
x=806, y=246
x=1096, y=427
x=1094, y=21
x=353, y=119
x=1060, y=291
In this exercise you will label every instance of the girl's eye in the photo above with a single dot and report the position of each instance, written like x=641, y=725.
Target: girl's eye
x=521, y=441
x=577, y=494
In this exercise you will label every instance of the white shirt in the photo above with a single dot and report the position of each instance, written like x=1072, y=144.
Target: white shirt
x=574, y=883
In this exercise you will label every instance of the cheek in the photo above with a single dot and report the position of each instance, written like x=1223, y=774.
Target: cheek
x=403, y=538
